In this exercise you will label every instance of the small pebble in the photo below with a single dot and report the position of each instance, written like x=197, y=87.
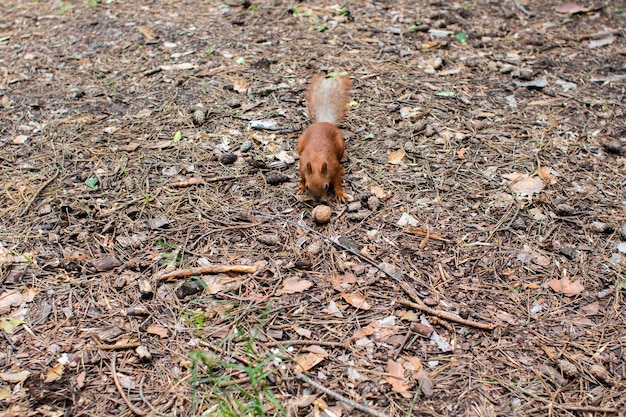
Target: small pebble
x=600, y=227
x=355, y=206
x=613, y=147
x=245, y=146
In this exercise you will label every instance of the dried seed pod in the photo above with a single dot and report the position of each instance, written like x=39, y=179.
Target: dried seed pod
x=276, y=178
x=199, y=116
x=228, y=158
x=269, y=239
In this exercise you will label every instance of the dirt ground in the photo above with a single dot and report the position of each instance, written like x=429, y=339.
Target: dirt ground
x=477, y=270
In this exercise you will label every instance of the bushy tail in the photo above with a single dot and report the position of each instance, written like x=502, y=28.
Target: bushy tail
x=327, y=98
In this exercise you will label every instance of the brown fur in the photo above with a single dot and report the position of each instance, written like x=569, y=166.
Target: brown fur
x=321, y=145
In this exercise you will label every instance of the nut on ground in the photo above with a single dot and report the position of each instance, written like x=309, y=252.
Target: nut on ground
x=321, y=214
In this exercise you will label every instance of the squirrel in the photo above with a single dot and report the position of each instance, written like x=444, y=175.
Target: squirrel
x=321, y=145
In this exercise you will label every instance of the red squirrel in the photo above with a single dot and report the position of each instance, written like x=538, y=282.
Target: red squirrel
x=321, y=145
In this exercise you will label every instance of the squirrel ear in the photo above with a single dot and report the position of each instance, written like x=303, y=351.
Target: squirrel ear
x=309, y=169
x=324, y=169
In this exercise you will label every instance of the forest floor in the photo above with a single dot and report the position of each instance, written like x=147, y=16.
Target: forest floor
x=478, y=268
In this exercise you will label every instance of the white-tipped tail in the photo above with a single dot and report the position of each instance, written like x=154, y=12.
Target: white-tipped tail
x=327, y=98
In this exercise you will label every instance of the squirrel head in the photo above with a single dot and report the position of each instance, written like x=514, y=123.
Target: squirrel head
x=317, y=182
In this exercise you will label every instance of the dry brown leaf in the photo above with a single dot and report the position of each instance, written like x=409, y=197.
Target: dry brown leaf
x=54, y=373
x=396, y=378
x=396, y=157
x=14, y=377
x=294, y=285
x=240, y=85
x=413, y=363
x=308, y=361
x=356, y=300
x=5, y=393
x=160, y=331
x=146, y=32
x=303, y=332
x=547, y=175
x=566, y=286
x=333, y=310
x=30, y=294
x=591, y=309
x=601, y=39
x=10, y=299
x=378, y=191
x=80, y=380
x=570, y=7
x=342, y=281
x=368, y=330
x=528, y=186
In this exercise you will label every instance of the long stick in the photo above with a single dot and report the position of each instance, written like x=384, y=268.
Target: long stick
x=338, y=396
x=208, y=269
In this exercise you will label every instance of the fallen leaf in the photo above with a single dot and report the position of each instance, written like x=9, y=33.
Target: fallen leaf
x=308, y=361
x=413, y=363
x=600, y=40
x=303, y=332
x=528, y=186
x=10, y=324
x=368, y=330
x=425, y=384
x=10, y=299
x=285, y=157
x=294, y=285
x=377, y=191
x=547, y=175
x=30, y=294
x=570, y=7
x=20, y=139
x=240, y=85
x=396, y=378
x=54, y=373
x=14, y=377
x=396, y=157
x=5, y=393
x=333, y=310
x=160, y=331
x=591, y=309
x=409, y=315
x=80, y=380
x=566, y=287
x=356, y=300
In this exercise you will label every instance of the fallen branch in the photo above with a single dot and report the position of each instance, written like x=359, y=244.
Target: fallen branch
x=132, y=408
x=447, y=316
x=209, y=269
x=34, y=197
x=338, y=396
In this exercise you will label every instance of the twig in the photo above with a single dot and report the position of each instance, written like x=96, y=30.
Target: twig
x=573, y=407
x=149, y=404
x=338, y=396
x=132, y=408
x=306, y=342
x=121, y=346
x=32, y=200
x=447, y=316
x=208, y=269
x=521, y=9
